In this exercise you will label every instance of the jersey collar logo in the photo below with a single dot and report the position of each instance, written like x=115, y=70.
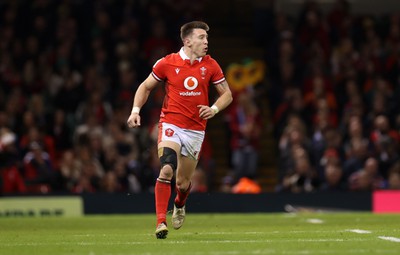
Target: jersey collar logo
x=177, y=70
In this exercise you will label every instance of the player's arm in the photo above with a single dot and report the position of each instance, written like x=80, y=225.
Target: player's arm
x=141, y=96
x=224, y=99
x=225, y=95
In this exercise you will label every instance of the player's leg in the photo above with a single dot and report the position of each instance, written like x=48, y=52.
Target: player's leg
x=184, y=173
x=192, y=141
x=167, y=152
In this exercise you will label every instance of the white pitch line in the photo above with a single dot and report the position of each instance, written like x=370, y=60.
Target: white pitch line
x=359, y=231
x=390, y=238
x=261, y=233
x=387, y=238
x=223, y=233
x=315, y=221
x=272, y=251
x=179, y=242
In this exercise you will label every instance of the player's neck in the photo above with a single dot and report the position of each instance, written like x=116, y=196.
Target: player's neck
x=192, y=57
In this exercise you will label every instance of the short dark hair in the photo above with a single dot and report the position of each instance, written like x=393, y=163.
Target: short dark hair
x=187, y=28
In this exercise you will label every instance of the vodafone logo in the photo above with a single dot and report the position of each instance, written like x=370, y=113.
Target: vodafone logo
x=190, y=83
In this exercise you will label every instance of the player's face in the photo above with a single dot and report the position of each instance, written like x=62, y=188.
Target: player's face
x=199, y=42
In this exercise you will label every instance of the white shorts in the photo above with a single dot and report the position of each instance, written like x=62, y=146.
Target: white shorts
x=189, y=140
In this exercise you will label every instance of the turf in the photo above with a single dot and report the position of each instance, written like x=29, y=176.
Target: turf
x=218, y=234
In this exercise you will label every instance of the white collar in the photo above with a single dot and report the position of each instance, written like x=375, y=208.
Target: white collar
x=184, y=56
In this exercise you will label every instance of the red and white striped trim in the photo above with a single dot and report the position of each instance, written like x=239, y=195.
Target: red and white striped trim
x=156, y=77
x=219, y=81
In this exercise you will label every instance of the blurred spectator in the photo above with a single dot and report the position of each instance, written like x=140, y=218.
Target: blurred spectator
x=394, y=176
x=207, y=163
x=227, y=183
x=367, y=178
x=70, y=170
x=199, y=181
x=354, y=130
x=245, y=126
x=91, y=171
x=157, y=44
x=360, y=181
x=109, y=183
x=83, y=131
x=371, y=166
x=357, y=154
x=37, y=135
x=312, y=29
x=292, y=107
x=380, y=100
x=333, y=180
x=59, y=129
x=71, y=93
x=38, y=169
x=11, y=181
x=385, y=141
x=345, y=93
x=94, y=106
x=382, y=130
x=292, y=145
x=301, y=179
x=340, y=21
x=319, y=91
x=344, y=57
x=283, y=62
x=329, y=158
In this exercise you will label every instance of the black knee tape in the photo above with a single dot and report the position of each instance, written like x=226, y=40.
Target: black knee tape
x=169, y=157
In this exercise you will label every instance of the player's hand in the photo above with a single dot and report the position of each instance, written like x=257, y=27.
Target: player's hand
x=206, y=112
x=134, y=120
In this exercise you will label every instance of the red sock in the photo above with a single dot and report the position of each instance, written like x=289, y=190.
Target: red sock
x=181, y=197
x=162, y=195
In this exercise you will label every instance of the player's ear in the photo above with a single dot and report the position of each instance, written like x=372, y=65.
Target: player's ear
x=187, y=41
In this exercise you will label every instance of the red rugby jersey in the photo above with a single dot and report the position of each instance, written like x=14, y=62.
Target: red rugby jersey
x=186, y=87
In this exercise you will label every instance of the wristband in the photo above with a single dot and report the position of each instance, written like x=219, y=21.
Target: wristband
x=135, y=109
x=215, y=109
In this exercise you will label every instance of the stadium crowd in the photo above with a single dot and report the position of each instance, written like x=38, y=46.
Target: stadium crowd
x=68, y=73
x=335, y=90
x=69, y=70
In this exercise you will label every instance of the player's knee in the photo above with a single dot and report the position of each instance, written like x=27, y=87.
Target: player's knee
x=182, y=185
x=166, y=172
x=168, y=158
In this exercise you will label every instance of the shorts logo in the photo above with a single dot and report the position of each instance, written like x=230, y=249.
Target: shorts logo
x=169, y=132
x=190, y=83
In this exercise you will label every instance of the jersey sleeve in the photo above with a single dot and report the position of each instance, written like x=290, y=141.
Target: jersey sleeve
x=159, y=68
x=218, y=75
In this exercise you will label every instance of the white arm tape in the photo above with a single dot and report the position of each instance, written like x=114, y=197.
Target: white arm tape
x=135, y=109
x=215, y=109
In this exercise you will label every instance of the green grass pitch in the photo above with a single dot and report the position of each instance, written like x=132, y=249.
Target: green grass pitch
x=217, y=234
